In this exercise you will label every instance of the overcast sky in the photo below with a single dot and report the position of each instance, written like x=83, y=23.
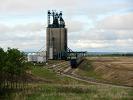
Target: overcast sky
x=93, y=25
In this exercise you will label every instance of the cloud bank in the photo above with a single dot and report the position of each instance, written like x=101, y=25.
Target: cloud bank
x=93, y=25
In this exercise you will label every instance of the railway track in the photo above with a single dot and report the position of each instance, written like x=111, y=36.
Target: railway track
x=60, y=67
x=65, y=69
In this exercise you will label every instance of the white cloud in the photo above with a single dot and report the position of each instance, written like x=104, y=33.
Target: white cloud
x=90, y=7
x=28, y=27
x=102, y=45
x=28, y=36
x=112, y=33
x=75, y=26
x=118, y=22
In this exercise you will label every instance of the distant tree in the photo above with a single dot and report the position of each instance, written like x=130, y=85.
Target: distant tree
x=2, y=64
x=2, y=59
x=12, y=67
x=15, y=62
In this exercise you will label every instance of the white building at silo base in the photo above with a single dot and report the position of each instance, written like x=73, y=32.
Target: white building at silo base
x=32, y=57
x=39, y=57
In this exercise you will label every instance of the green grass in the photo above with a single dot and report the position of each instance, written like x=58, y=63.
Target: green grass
x=76, y=92
x=64, y=88
x=86, y=70
x=43, y=73
x=49, y=75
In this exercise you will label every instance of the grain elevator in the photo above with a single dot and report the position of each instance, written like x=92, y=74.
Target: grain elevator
x=56, y=36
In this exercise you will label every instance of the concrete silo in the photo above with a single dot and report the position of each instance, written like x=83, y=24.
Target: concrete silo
x=56, y=36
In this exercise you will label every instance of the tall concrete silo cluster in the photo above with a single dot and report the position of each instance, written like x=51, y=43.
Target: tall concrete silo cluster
x=56, y=36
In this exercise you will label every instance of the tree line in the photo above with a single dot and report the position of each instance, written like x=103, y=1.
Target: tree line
x=12, y=69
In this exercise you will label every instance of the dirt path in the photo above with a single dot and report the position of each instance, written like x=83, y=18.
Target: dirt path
x=69, y=72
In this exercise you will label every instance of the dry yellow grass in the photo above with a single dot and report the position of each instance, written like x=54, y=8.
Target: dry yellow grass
x=115, y=69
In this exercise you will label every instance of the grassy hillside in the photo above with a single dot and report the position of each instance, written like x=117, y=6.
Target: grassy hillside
x=59, y=87
x=86, y=69
x=54, y=78
x=116, y=70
